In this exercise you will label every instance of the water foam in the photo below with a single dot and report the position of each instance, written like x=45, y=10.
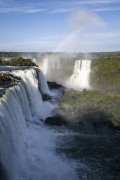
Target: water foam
x=80, y=77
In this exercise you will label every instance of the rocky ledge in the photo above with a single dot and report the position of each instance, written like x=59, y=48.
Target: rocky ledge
x=7, y=80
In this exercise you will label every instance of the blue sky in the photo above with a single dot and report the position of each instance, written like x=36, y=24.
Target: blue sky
x=60, y=25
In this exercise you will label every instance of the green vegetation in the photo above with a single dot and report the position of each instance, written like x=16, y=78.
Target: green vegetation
x=105, y=75
x=18, y=61
x=78, y=104
x=9, y=54
x=4, y=79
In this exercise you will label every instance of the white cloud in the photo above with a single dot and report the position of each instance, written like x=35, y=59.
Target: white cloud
x=21, y=10
x=34, y=10
x=95, y=41
x=58, y=6
x=103, y=9
x=84, y=18
x=93, y=2
x=61, y=10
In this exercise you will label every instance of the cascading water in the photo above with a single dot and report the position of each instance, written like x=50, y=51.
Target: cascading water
x=55, y=63
x=27, y=147
x=38, y=107
x=13, y=112
x=80, y=77
x=45, y=66
x=58, y=64
x=50, y=63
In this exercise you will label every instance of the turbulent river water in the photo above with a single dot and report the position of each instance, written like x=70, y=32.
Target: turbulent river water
x=97, y=156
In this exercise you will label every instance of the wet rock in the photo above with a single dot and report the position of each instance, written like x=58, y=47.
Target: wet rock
x=54, y=85
x=56, y=120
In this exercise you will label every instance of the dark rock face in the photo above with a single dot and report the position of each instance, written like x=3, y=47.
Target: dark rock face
x=3, y=173
x=56, y=120
x=54, y=85
x=46, y=97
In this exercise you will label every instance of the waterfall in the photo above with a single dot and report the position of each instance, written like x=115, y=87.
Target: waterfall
x=80, y=77
x=27, y=147
x=13, y=132
x=43, y=84
x=38, y=107
x=45, y=66
x=53, y=63
x=50, y=63
x=58, y=63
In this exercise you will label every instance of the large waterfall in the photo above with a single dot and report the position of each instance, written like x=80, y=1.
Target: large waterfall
x=80, y=77
x=27, y=147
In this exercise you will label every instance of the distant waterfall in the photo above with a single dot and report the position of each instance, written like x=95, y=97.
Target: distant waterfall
x=58, y=64
x=55, y=63
x=80, y=77
x=50, y=63
x=45, y=66
x=27, y=147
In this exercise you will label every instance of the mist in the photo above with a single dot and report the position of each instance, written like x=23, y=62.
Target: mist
x=59, y=65
x=79, y=24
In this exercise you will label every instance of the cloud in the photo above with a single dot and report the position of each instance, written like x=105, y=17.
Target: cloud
x=93, y=2
x=34, y=10
x=22, y=10
x=93, y=41
x=84, y=18
x=84, y=24
x=60, y=10
x=43, y=44
x=55, y=6
x=105, y=9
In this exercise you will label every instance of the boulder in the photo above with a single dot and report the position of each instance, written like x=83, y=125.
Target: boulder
x=56, y=120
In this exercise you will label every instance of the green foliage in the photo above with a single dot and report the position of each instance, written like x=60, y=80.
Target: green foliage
x=106, y=66
x=4, y=79
x=2, y=62
x=18, y=61
x=105, y=75
x=78, y=103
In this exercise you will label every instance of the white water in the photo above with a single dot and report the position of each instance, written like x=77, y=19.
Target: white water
x=43, y=84
x=27, y=147
x=80, y=77
x=45, y=66
x=50, y=63
x=38, y=107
